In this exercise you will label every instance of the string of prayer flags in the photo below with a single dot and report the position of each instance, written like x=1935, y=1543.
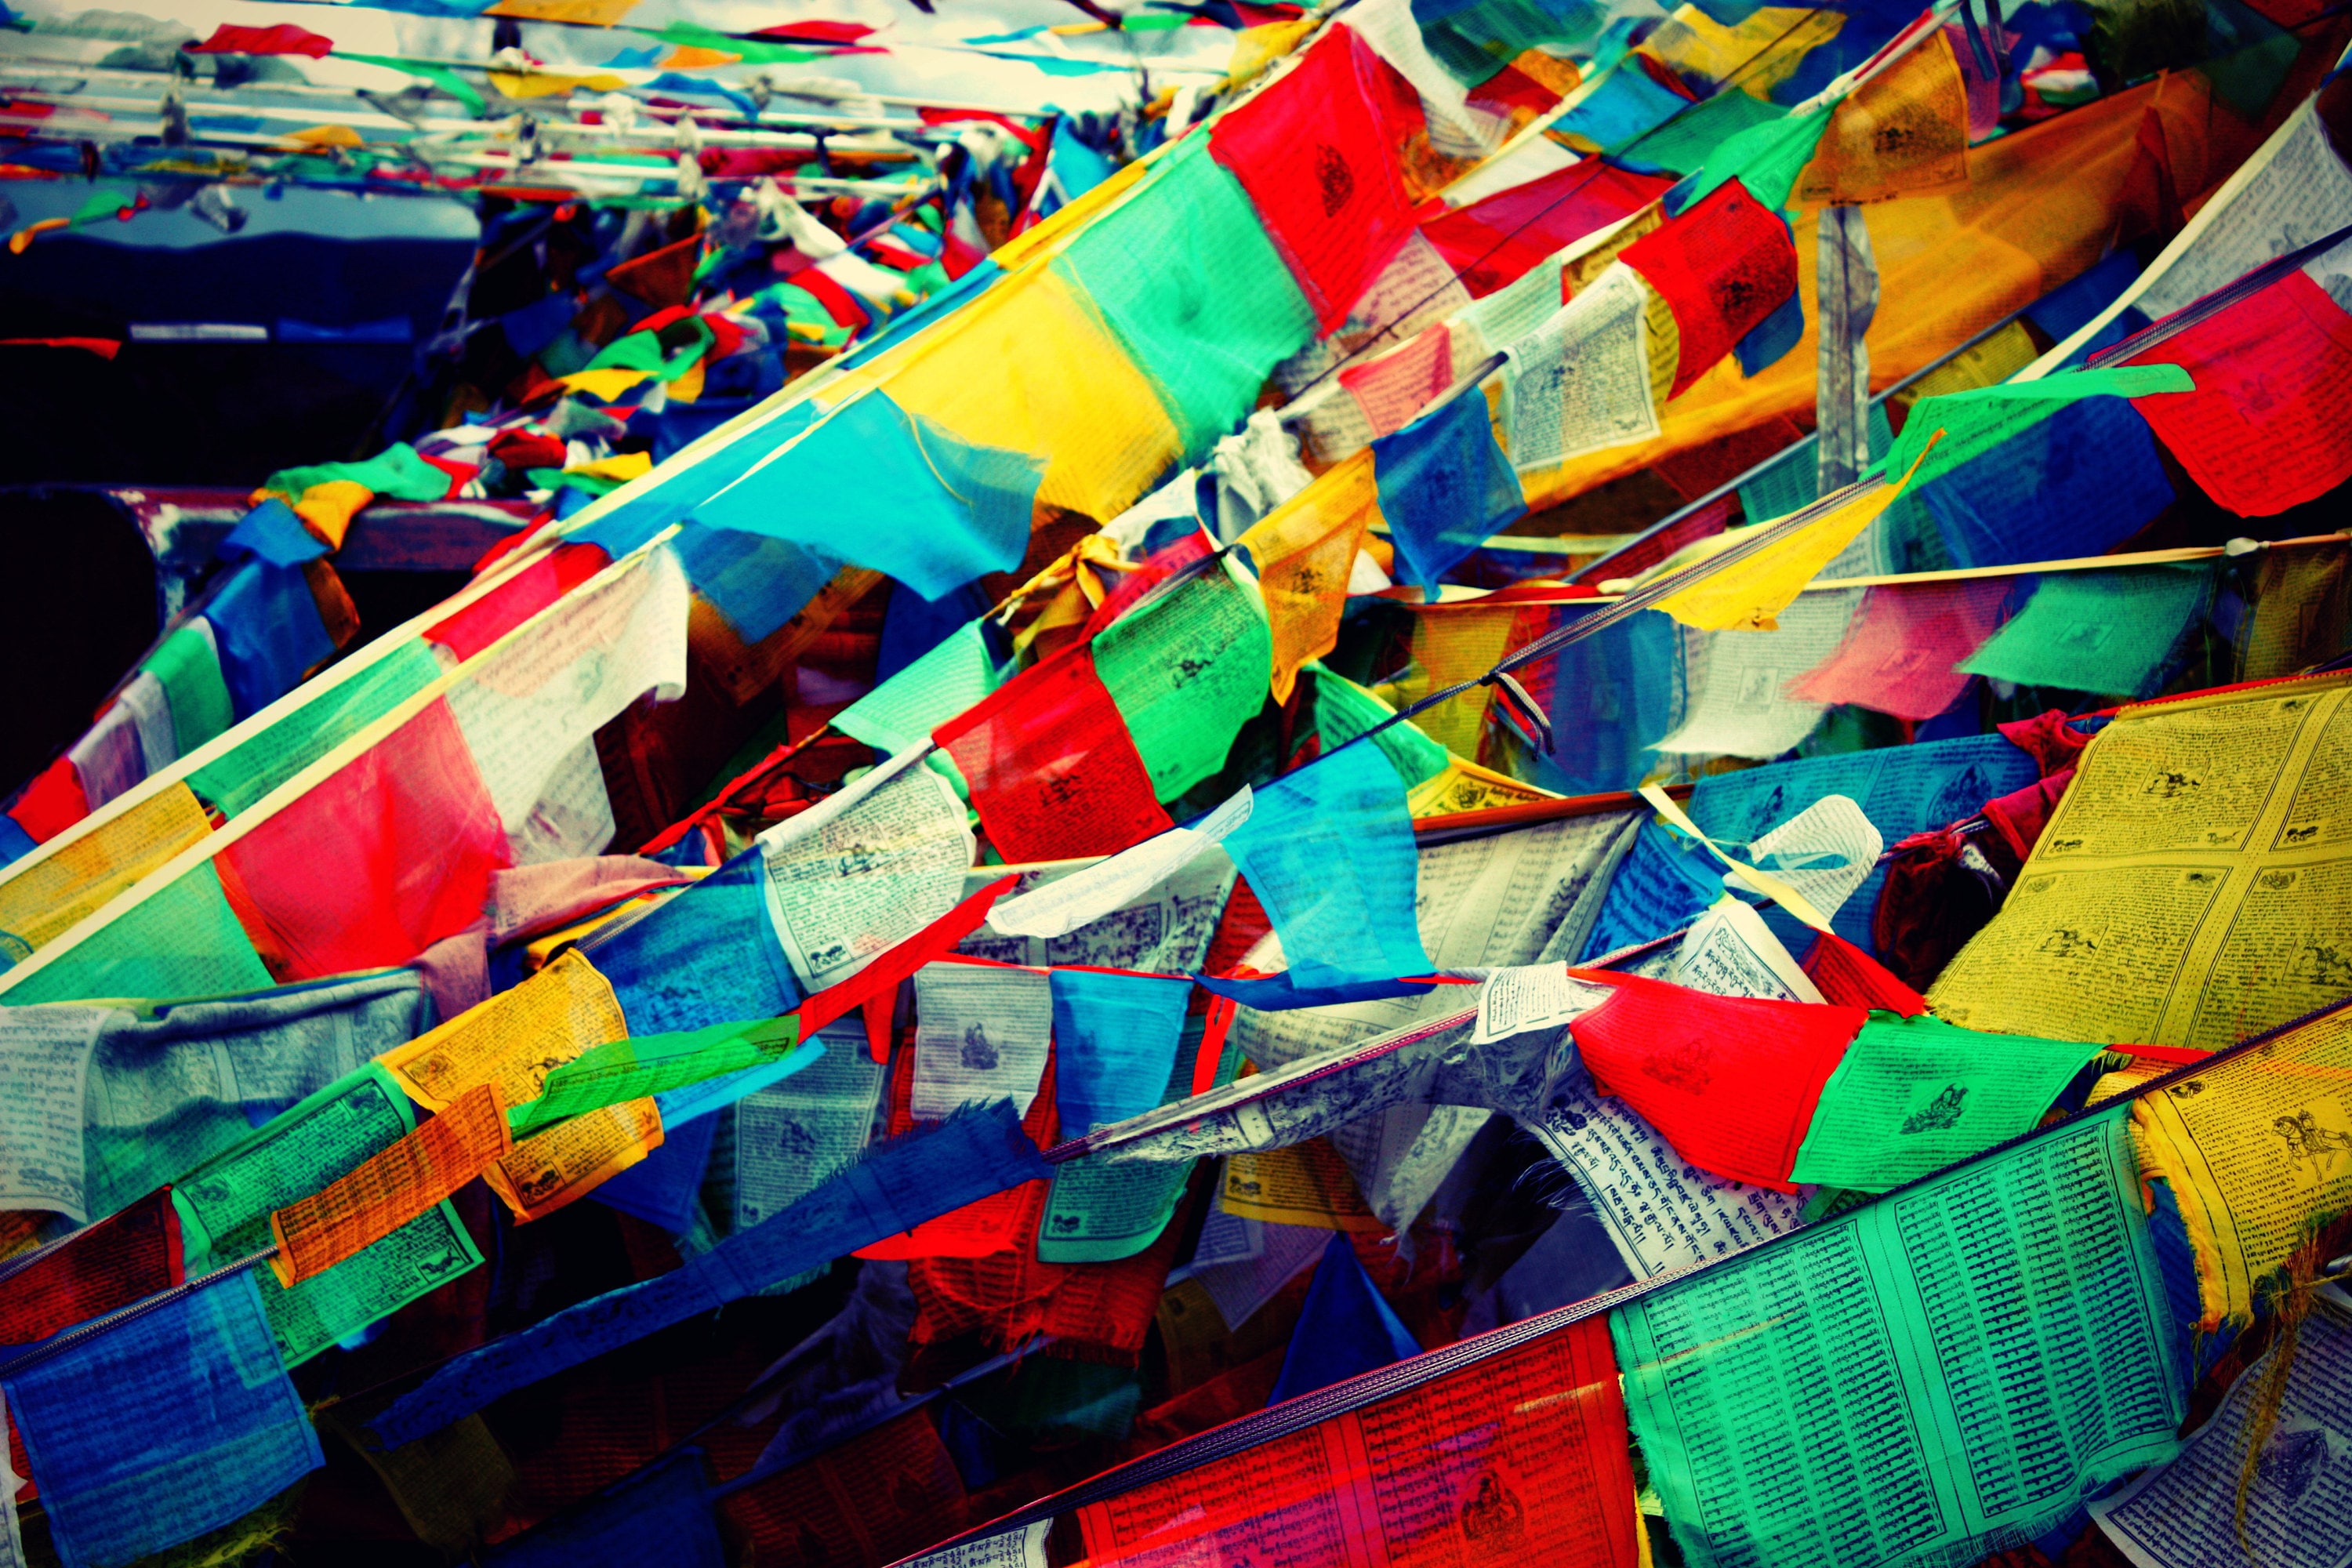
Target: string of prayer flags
x=2257, y=433
x=162, y=1425
x=1115, y=1039
x=1915, y=1095
x=1902, y=652
x=893, y=1188
x=1314, y=158
x=225, y=1208
x=1722, y=265
x=1445, y=488
x=2105, y=631
x=1329, y=850
x=1052, y=767
x=1731, y=1081
x=390, y=1188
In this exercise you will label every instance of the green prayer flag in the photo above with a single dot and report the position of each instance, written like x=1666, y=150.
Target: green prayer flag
x=2107, y=632
x=904, y=709
x=1187, y=670
x=396, y=473
x=623, y=1070
x=1912, y=1096
x=1685, y=143
x=262, y=761
x=1974, y=422
x=184, y=940
x=1766, y=157
x=188, y=665
x=224, y=1207
x=753, y=51
x=1187, y=280
x=1932, y=1377
x=643, y=351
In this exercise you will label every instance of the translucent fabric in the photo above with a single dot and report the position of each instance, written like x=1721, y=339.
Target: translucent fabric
x=1317, y=154
x=1902, y=651
x=380, y=861
x=1329, y=852
x=1192, y=290
x=2042, y=205
x=162, y=1427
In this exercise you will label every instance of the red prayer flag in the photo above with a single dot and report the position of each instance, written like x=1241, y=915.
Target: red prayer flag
x=1731, y=1081
x=1494, y=242
x=1723, y=266
x=386, y=856
x=1850, y=978
x=1521, y=1457
x=2265, y=428
x=1393, y=389
x=1053, y=772
x=52, y=802
x=285, y=38
x=1899, y=656
x=1317, y=153
x=517, y=599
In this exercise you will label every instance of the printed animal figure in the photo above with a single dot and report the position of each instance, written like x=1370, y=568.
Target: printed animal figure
x=1938, y=1113
x=2323, y=1147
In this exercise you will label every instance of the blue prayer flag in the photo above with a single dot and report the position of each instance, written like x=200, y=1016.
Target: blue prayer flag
x=705, y=956
x=1114, y=1044
x=1346, y=1329
x=267, y=628
x=891, y=490
x=1329, y=852
x=1445, y=488
x=162, y=1426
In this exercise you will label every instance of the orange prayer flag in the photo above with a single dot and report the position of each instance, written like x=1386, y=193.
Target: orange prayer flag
x=393, y=1186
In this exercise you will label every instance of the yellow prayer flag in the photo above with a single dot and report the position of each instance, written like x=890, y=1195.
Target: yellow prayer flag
x=621, y=465
x=1905, y=131
x=2259, y=1154
x=1305, y=550
x=605, y=384
x=41, y=901
x=514, y=1040
x=573, y=1158
x=1749, y=594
